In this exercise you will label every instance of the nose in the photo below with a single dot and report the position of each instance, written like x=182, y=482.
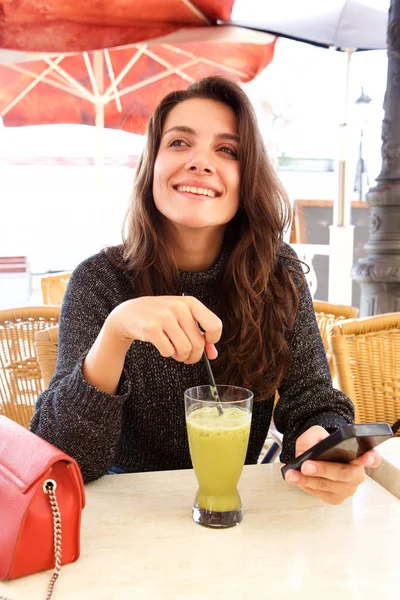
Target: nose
x=200, y=164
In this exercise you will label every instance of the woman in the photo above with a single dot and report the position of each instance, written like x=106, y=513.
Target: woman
x=204, y=245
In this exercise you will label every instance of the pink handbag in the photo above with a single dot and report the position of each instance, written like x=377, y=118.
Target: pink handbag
x=41, y=501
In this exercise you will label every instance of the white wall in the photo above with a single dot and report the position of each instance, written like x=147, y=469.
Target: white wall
x=51, y=214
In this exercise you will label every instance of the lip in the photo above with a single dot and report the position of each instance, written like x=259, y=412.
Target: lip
x=197, y=184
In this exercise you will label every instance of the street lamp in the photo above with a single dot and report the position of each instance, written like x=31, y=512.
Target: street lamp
x=362, y=103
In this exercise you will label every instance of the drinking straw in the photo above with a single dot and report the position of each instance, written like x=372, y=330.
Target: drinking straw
x=211, y=381
x=210, y=375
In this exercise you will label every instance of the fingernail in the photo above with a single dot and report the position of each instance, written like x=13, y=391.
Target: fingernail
x=293, y=477
x=370, y=461
x=309, y=469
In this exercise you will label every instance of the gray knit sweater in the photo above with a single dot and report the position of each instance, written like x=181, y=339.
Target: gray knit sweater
x=142, y=427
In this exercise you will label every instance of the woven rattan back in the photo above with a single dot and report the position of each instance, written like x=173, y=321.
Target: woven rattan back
x=54, y=286
x=366, y=354
x=46, y=346
x=327, y=316
x=20, y=377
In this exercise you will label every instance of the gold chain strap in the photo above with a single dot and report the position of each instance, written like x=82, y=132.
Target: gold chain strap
x=49, y=487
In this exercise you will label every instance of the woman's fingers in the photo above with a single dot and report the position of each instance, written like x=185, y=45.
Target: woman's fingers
x=178, y=337
x=332, y=482
x=211, y=350
x=184, y=333
x=163, y=344
x=194, y=336
x=327, y=497
x=368, y=459
x=323, y=484
x=170, y=323
x=309, y=438
x=208, y=321
x=332, y=492
x=333, y=471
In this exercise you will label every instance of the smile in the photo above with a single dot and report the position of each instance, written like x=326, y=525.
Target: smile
x=198, y=191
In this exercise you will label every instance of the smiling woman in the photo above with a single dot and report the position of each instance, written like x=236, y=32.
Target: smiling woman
x=203, y=246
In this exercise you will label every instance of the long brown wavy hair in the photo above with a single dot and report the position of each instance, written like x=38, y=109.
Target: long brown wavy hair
x=258, y=300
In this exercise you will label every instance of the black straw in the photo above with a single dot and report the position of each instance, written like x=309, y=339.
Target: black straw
x=210, y=375
x=211, y=381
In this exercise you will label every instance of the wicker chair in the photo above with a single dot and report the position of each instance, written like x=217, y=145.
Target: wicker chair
x=20, y=377
x=366, y=354
x=46, y=346
x=328, y=315
x=54, y=286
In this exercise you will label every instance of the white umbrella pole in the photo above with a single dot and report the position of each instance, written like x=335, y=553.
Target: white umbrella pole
x=98, y=63
x=341, y=233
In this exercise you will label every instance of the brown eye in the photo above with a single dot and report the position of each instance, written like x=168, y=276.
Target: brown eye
x=178, y=142
x=228, y=150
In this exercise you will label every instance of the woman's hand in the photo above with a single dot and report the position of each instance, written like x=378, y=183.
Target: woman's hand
x=332, y=482
x=170, y=324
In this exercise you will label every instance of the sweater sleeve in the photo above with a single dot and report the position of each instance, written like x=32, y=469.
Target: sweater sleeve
x=306, y=395
x=71, y=414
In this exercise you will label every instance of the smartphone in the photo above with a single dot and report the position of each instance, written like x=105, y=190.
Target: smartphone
x=344, y=445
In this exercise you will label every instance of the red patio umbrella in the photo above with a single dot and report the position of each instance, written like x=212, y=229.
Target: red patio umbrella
x=124, y=84
x=171, y=43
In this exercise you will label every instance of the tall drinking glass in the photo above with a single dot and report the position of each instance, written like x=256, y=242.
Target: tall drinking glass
x=218, y=445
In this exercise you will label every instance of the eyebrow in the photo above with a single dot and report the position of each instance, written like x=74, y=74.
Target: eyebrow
x=184, y=129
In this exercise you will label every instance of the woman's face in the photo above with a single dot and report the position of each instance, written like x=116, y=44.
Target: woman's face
x=196, y=172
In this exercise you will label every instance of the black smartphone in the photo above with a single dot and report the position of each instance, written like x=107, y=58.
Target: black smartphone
x=344, y=445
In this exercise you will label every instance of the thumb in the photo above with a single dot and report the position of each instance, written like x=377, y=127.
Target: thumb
x=309, y=438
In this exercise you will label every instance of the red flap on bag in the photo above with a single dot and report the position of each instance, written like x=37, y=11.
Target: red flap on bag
x=26, y=528
x=25, y=457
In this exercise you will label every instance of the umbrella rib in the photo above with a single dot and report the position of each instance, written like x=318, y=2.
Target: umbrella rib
x=205, y=60
x=57, y=78
x=72, y=81
x=107, y=94
x=47, y=80
x=37, y=79
x=137, y=86
x=89, y=69
x=112, y=79
x=167, y=65
x=158, y=59
x=196, y=11
x=52, y=78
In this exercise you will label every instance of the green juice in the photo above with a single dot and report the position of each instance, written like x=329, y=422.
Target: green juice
x=218, y=446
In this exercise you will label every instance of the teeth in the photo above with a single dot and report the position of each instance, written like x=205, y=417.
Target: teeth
x=195, y=190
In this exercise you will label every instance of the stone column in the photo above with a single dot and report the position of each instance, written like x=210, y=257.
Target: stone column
x=379, y=272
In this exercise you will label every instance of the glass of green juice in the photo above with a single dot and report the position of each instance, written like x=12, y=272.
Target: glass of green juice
x=218, y=443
